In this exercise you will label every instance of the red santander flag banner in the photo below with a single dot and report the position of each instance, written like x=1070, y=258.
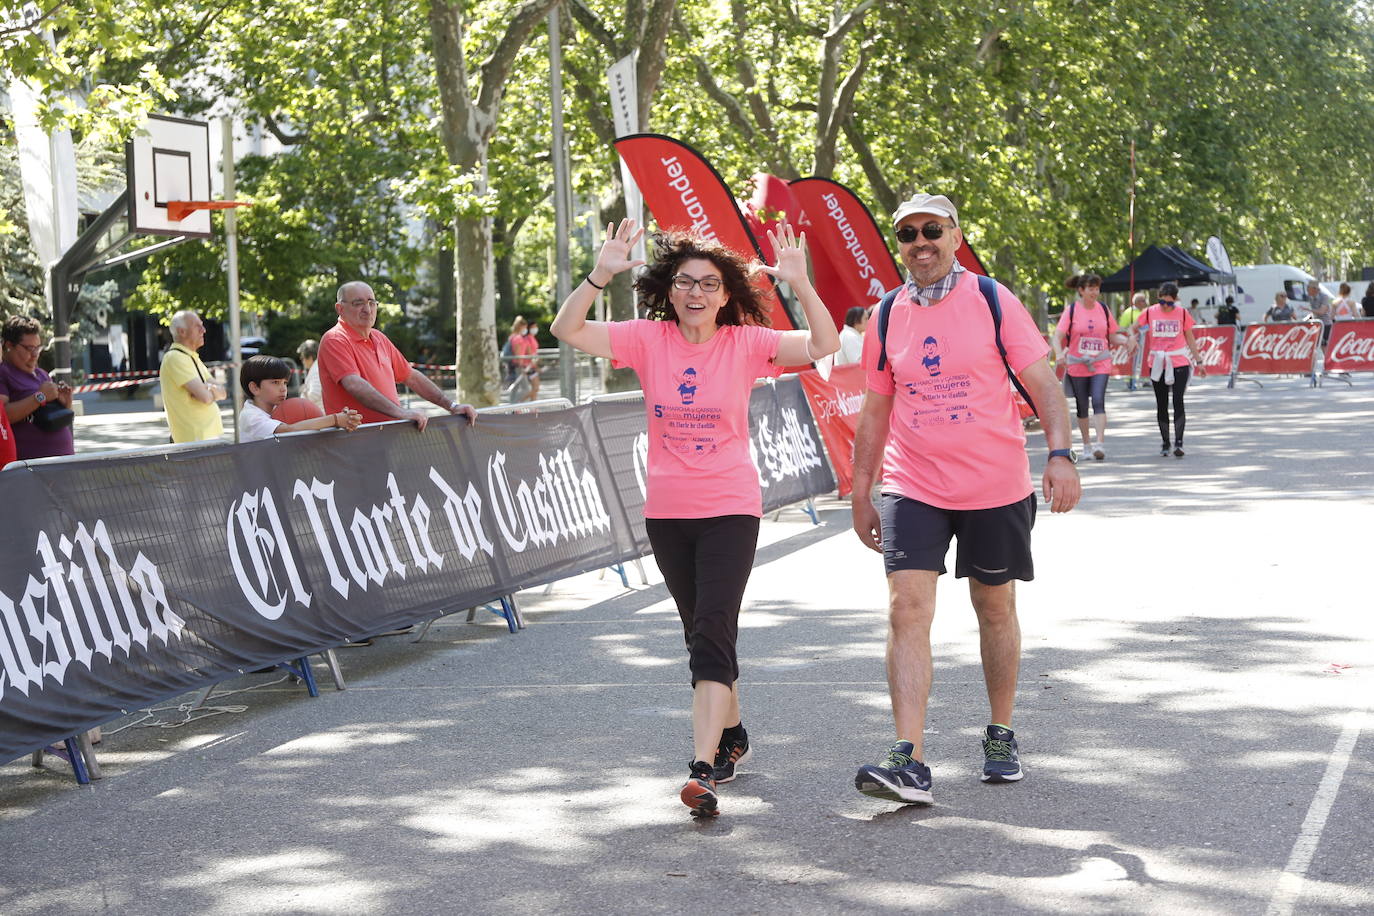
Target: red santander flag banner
x=835, y=403
x=1217, y=347
x=846, y=239
x=1351, y=348
x=1279, y=349
x=684, y=192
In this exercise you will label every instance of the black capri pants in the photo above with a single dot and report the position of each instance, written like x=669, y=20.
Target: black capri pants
x=706, y=564
x=1163, y=394
x=1086, y=388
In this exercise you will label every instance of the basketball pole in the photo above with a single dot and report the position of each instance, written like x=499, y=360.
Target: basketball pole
x=231, y=243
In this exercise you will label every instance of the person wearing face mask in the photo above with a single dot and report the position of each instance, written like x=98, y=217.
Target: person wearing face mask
x=1084, y=339
x=525, y=347
x=1167, y=355
x=697, y=355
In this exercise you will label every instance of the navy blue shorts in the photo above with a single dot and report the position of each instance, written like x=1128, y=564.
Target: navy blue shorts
x=994, y=545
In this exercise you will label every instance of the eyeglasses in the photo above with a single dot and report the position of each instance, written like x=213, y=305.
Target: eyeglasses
x=707, y=284
x=33, y=350
x=907, y=234
x=359, y=303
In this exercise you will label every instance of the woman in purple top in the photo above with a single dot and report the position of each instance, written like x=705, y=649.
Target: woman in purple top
x=24, y=388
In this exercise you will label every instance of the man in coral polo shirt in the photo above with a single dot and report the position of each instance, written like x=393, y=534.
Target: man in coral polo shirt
x=359, y=367
x=940, y=419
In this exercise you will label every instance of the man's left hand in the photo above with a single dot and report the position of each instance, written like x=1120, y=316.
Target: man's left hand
x=466, y=410
x=1061, y=485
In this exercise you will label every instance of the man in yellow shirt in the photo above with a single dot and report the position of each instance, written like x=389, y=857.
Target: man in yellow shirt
x=188, y=394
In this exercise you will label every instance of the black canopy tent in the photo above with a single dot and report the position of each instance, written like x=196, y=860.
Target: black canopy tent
x=1159, y=264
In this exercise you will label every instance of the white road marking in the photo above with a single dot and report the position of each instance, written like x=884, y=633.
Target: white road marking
x=1294, y=875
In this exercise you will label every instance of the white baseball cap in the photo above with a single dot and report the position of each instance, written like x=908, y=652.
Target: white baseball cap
x=936, y=204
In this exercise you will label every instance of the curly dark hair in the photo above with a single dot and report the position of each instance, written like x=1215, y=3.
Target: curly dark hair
x=17, y=327
x=746, y=303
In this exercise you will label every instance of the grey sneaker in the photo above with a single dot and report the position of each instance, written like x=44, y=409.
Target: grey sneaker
x=1000, y=760
x=899, y=778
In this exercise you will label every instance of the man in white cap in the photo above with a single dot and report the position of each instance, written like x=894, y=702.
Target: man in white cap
x=940, y=419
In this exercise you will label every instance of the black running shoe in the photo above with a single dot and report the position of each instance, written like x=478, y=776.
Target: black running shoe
x=1164, y=451
x=730, y=754
x=699, y=792
x=1178, y=450
x=899, y=778
x=1000, y=760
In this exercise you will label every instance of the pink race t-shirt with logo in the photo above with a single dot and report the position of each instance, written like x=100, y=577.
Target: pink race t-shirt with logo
x=955, y=439
x=696, y=397
x=1166, y=328
x=1089, y=334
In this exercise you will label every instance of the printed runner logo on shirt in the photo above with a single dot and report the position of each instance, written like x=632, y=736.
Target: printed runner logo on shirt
x=691, y=431
x=944, y=396
x=931, y=359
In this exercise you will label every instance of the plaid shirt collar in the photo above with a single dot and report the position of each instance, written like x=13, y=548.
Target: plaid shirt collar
x=928, y=295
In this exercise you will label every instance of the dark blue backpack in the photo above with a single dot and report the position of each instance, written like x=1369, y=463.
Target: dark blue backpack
x=988, y=287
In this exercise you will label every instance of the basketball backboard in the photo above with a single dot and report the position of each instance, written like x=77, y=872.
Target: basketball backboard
x=168, y=160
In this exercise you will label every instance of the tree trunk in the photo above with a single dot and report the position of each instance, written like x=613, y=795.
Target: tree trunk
x=478, y=363
x=507, y=307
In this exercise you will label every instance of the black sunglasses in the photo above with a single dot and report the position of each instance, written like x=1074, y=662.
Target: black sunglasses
x=907, y=234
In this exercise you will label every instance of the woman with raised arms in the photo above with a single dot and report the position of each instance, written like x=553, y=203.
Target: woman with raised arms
x=697, y=356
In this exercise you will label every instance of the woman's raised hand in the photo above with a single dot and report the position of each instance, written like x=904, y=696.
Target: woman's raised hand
x=615, y=254
x=790, y=249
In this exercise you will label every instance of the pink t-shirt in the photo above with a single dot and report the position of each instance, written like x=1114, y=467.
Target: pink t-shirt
x=1166, y=333
x=955, y=439
x=696, y=397
x=1089, y=335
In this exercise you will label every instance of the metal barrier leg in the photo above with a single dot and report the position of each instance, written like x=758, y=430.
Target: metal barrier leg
x=430, y=622
x=83, y=742
x=514, y=616
x=335, y=671
x=69, y=751
x=204, y=695
x=810, y=509
x=644, y=579
x=620, y=571
x=301, y=669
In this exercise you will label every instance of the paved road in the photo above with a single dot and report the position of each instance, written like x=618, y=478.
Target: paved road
x=1192, y=741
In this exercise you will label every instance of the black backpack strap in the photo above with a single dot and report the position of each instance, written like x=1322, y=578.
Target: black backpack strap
x=884, y=314
x=988, y=287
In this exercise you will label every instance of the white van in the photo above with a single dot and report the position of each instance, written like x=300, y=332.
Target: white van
x=1256, y=285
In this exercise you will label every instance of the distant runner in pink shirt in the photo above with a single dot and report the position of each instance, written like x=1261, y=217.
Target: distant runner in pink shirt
x=697, y=359
x=939, y=418
x=1168, y=347
x=1084, y=339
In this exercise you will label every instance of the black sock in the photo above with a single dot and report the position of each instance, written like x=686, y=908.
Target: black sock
x=734, y=731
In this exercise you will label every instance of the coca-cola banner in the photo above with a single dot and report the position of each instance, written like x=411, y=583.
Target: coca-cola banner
x=1279, y=349
x=1351, y=348
x=1124, y=359
x=684, y=192
x=1217, y=347
x=835, y=403
x=845, y=235
x=134, y=579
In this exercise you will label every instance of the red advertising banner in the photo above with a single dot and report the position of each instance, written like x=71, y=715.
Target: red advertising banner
x=1279, y=349
x=1217, y=346
x=835, y=403
x=1123, y=360
x=684, y=192
x=1351, y=348
x=859, y=266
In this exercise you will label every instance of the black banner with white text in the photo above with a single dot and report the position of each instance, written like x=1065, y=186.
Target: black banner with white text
x=128, y=580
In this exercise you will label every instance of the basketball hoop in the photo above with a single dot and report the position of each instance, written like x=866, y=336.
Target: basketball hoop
x=178, y=210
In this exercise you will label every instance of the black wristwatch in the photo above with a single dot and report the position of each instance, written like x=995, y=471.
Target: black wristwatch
x=1064, y=453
